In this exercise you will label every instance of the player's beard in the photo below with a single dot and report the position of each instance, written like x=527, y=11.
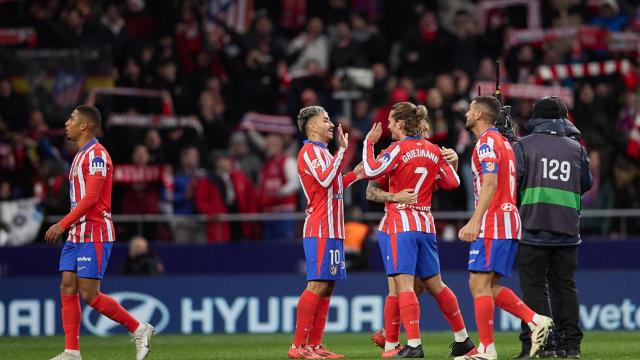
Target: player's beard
x=469, y=125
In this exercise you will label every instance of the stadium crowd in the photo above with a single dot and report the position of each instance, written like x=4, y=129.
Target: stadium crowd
x=355, y=58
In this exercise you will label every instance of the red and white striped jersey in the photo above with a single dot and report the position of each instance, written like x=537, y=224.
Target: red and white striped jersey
x=412, y=163
x=90, y=180
x=323, y=185
x=493, y=155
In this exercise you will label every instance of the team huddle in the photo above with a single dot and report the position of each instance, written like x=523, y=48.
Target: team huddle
x=404, y=177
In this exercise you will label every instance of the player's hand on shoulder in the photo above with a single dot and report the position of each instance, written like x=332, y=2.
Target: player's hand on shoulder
x=375, y=133
x=343, y=138
x=53, y=233
x=450, y=156
x=406, y=196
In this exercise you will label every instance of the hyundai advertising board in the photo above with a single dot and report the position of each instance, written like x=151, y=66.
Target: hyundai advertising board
x=610, y=300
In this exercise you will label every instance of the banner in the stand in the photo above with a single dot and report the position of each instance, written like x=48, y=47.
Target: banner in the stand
x=526, y=91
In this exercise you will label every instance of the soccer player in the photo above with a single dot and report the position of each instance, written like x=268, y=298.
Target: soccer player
x=323, y=185
x=387, y=338
x=413, y=163
x=85, y=254
x=494, y=230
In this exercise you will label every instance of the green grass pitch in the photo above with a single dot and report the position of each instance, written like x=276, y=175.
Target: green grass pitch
x=596, y=345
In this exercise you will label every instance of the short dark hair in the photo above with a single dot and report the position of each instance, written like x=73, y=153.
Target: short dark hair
x=491, y=107
x=90, y=113
x=549, y=107
x=306, y=114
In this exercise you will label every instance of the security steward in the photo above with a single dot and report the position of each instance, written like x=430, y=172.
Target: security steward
x=552, y=174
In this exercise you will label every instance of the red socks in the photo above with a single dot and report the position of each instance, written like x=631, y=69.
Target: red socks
x=304, y=316
x=319, y=321
x=110, y=308
x=410, y=314
x=448, y=304
x=71, y=321
x=484, y=308
x=392, y=319
x=511, y=303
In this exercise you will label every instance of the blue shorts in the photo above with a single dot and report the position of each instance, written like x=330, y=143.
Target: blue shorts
x=383, y=242
x=414, y=253
x=325, y=259
x=87, y=260
x=498, y=256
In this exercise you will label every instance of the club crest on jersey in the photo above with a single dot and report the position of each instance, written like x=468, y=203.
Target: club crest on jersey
x=333, y=270
x=485, y=151
x=97, y=165
x=315, y=163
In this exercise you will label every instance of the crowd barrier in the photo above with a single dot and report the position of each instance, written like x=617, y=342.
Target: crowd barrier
x=207, y=304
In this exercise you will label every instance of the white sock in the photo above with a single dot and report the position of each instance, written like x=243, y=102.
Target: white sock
x=390, y=345
x=414, y=342
x=461, y=335
x=487, y=349
x=72, y=352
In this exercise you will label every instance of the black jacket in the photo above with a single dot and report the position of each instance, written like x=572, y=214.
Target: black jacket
x=551, y=127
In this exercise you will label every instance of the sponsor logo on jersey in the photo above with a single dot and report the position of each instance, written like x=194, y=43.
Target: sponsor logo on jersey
x=507, y=207
x=97, y=165
x=474, y=252
x=485, y=151
x=385, y=157
x=83, y=258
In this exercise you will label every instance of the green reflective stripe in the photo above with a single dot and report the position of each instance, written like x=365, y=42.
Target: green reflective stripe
x=551, y=196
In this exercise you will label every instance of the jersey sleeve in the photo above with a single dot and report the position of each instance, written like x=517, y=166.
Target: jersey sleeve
x=93, y=187
x=386, y=162
x=487, y=155
x=312, y=165
x=447, y=178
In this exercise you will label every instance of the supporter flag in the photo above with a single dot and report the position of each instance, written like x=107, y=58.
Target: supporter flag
x=67, y=89
x=236, y=14
x=20, y=221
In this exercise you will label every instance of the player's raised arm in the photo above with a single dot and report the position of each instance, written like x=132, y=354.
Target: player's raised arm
x=373, y=167
x=315, y=163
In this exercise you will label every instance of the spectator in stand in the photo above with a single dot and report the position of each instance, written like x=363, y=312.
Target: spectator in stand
x=278, y=189
x=116, y=33
x=426, y=50
x=77, y=33
x=610, y=16
x=141, y=261
x=153, y=142
x=237, y=193
x=468, y=45
x=243, y=158
x=310, y=46
x=137, y=22
x=185, y=181
x=169, y=79
x=355, y=238
x=217, y=128
x=188, y=39
x=13, y=106
x=345, y=52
